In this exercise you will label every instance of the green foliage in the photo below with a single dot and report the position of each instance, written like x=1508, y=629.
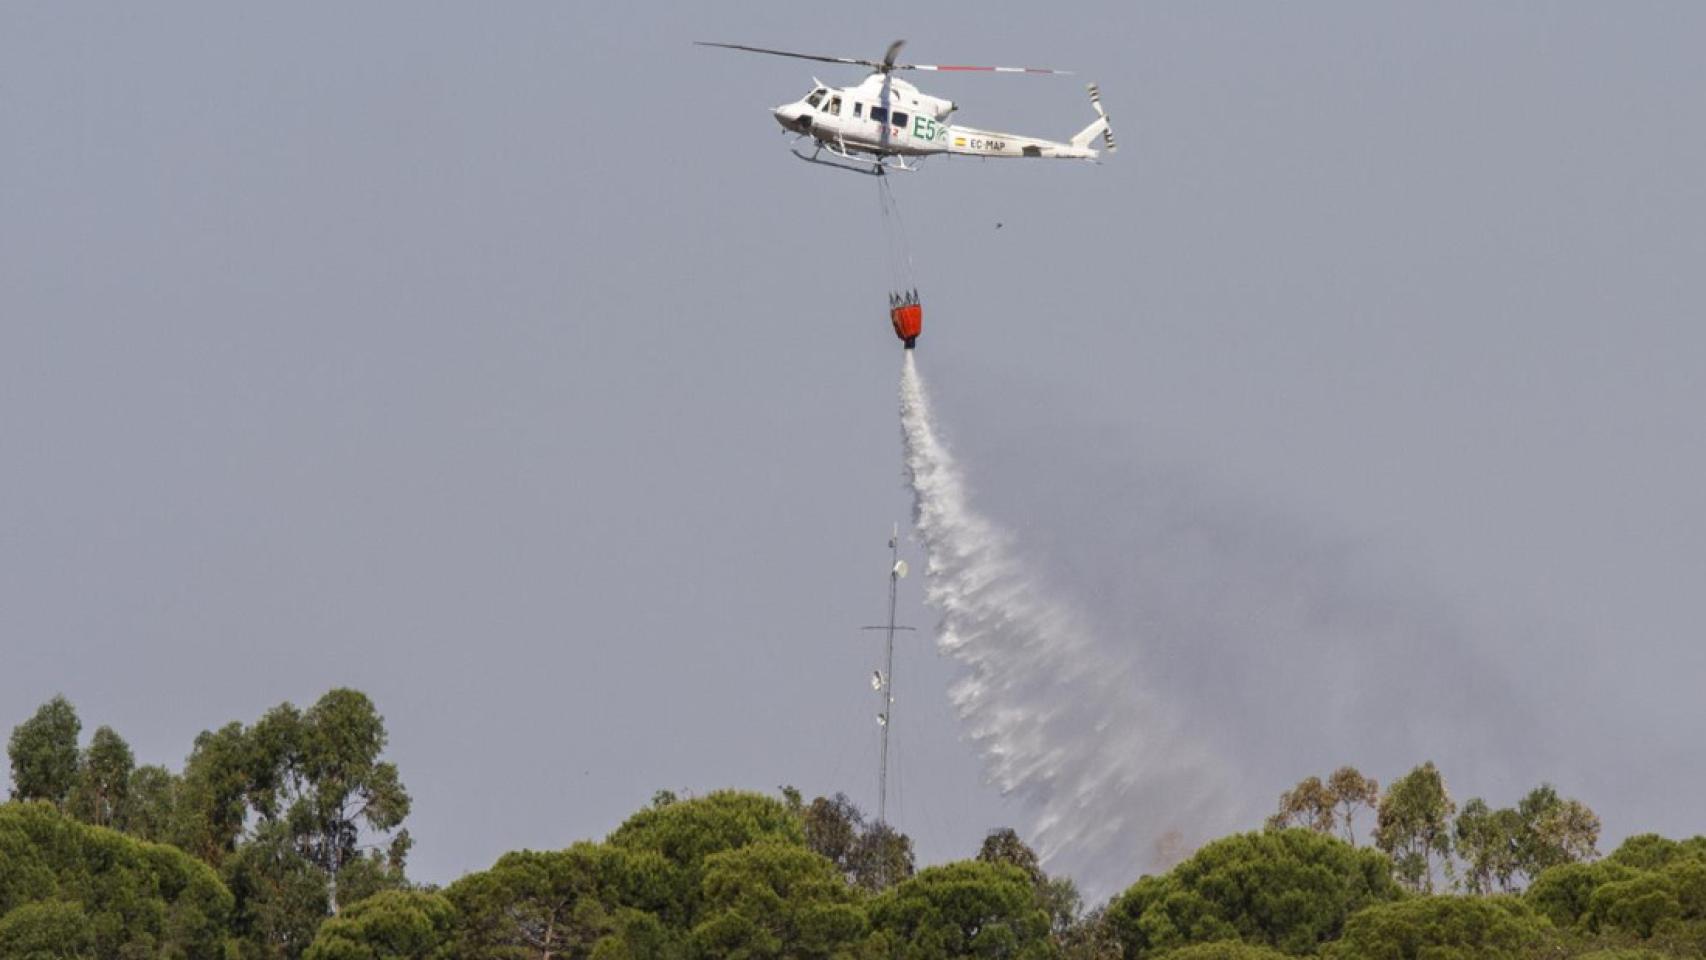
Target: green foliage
x=1688, y=880
x=43, y=751
x=1489, y=843
x=298, y=811
x=964, y=909
x=1638, y=905
x=1327, y=807
x=774, y=899
x=1004, y=846
x=393, y=925
x=1224, y=950
x=1058, y=896
x=46, y=930
x=134, y=898
x=565, y=901
x=1288, y=889
x=1649, y=851
x=873, y=856
x=1414, y=826
x=832, y=827
x=1441, y=928
x=300, y=818
x=1310, y=804
x=685, y=832
x=639, y=936
x=1561, y=894
x=1090, y=937
x=1622, y=953
x=1351, y=792
x=103, y=780
x=280, y=898
x=376, y=872
x=1554, y=830
x=1659, y=906
x=150, y=804
x=1498, y=848
x=308, y=791
x=1651, y=901
x=325, y=772
x=212, y=797
x=882, y=857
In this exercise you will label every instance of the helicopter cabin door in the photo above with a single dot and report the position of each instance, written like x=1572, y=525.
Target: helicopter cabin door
x=899, y=135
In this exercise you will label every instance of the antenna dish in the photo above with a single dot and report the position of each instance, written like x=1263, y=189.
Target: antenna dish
x=900, y=569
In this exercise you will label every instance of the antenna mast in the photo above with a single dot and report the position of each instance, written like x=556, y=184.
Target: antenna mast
x=884, y=681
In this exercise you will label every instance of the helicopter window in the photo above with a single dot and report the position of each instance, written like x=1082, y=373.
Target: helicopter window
x=879, y=114
x=814, y=98
x=834, y=108
x=899, y=118
x=858, y=109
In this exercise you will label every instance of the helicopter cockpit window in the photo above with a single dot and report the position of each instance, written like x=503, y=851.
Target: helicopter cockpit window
x=834, y=108
x=815, y=97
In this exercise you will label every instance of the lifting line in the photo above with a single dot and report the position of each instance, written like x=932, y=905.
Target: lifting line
x=902, y=281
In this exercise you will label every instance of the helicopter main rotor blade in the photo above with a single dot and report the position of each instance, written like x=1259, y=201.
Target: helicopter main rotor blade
x=788, y=53
x=945, y=68
x=883, y=127
x=888, y=58
x=887, y=64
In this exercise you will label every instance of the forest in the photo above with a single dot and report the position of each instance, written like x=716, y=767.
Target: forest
x=286, y=837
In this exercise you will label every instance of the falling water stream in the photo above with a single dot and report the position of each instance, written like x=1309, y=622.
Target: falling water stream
x=1068, y=724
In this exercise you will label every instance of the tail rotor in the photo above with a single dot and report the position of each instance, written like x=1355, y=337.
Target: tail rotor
x=1107, y=127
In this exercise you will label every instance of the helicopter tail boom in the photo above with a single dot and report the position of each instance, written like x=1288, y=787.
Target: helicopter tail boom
x=985, y=143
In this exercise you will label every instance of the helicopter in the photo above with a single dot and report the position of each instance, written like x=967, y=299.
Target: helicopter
x=876, y=125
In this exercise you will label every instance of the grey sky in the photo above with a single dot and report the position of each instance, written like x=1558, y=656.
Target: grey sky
x=501, y=363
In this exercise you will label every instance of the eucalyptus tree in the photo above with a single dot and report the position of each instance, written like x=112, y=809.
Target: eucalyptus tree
x=1414, y=826
x=43, y=751
x=103, y=779
x=1352, y=792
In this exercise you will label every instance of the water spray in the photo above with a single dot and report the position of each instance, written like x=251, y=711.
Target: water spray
x=1115, y=781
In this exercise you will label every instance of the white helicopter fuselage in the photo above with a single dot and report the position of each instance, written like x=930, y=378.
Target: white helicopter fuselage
x=851, y=120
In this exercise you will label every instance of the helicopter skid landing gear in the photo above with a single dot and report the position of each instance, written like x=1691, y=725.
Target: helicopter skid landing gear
x=845, y=159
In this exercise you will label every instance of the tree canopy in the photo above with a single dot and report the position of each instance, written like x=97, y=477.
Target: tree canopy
x=115, y=894
x=283, y=839
x=560, y=902
x=1441, y=928
x=872, y=855
x=43, y=751
x=393, y=925
x=965, y=909
x=775, y=899
x=1414, y=826
x=1289, y=889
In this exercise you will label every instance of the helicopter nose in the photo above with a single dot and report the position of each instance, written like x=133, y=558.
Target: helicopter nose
x=791, y=116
